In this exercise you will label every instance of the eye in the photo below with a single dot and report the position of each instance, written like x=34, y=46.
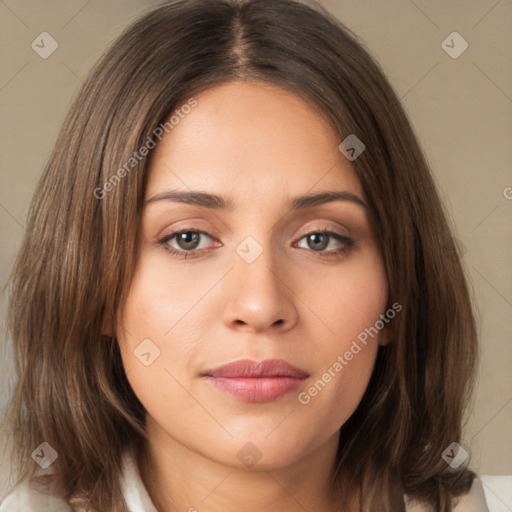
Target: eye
x=187, y=242
x=320, y=240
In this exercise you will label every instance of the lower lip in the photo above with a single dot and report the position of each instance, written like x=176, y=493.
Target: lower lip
x=257, y=389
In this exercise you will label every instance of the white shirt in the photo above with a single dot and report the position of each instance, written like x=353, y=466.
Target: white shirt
x=29, y=497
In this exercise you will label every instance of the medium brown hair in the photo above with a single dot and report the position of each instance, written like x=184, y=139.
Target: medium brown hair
x=79, y=252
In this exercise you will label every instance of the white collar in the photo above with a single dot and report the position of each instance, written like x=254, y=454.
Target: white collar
x=31, y=497
x=133, y=489
x=138, y=500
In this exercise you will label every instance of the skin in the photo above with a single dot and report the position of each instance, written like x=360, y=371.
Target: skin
x=258, y=145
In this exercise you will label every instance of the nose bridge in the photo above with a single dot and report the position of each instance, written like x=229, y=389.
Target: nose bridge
x=256, y=267
x=259, y=296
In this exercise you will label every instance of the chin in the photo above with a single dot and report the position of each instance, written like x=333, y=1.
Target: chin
x=264, y=451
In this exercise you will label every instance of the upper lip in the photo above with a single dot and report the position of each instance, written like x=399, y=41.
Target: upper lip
x=257, y=369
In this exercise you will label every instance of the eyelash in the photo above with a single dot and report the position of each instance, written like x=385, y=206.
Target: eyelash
x=347, y=243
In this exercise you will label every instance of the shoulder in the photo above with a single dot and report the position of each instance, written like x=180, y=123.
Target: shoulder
x=473, y=501
x=40, y=494
x=36, y=495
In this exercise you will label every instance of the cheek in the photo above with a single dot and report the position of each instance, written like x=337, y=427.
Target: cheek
x=349, y=301
x=145, y=327
x=161, y=299
x=334, y=392
x=350, y=308
x=160, y=331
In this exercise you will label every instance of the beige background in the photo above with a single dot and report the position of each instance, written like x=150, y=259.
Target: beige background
x=461, y=109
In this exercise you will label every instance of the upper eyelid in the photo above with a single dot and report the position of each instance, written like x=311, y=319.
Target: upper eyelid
x=186, y=229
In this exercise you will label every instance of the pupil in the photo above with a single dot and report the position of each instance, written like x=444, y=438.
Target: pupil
x=185, y=239
x=314, y=238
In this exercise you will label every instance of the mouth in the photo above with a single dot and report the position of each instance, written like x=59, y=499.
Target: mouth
x=254, y=381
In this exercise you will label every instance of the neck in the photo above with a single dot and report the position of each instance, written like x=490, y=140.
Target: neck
x=180, y=479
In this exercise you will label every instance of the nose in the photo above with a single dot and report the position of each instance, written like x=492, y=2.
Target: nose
x=260, y=296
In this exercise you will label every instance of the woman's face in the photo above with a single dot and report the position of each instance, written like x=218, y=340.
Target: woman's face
x=259, y=282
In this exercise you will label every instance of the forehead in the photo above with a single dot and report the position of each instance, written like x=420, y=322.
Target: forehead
x=251, y=137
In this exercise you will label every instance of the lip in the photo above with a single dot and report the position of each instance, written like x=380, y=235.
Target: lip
x=256, y=381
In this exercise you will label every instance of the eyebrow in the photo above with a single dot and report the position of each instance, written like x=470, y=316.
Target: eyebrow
x=217, y=202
